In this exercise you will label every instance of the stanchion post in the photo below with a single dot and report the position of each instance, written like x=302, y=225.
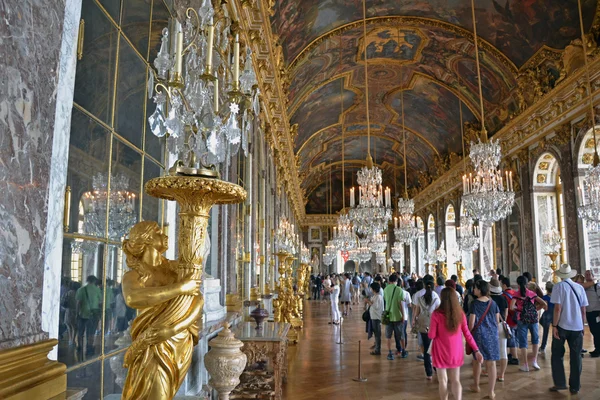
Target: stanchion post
x=360, y=378
x=340, y=341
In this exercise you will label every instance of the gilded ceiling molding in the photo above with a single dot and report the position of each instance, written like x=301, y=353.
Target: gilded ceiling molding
x=565, y=103
x=267, y=54
x=402, y=22
x=323, y=220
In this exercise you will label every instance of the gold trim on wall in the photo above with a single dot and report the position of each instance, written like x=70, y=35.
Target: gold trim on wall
x=26, y=373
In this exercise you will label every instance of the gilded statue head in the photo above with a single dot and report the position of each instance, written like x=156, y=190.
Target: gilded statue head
x=145, y=245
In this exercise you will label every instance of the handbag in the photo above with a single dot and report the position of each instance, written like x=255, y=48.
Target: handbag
x=366, y=315
x=385, y=316
x=468, y=348
x=507, y=331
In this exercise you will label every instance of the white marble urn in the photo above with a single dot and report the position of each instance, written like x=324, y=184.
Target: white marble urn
x=225, y=362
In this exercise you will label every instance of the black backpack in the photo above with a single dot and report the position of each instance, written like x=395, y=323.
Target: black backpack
x=529, y=314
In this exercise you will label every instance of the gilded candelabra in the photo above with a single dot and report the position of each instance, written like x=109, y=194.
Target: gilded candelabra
x=460, y=269
x=167, y=292
x=553, y=256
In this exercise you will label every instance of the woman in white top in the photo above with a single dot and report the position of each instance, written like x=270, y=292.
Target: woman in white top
x=334, y=296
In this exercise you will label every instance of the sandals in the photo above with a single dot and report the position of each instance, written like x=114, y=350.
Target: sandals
x=475, y=389
x=500, y=379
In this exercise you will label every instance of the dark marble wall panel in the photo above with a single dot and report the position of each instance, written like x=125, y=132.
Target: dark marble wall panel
x=31, y=32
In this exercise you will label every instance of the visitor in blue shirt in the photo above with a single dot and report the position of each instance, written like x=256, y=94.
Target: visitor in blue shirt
x=546, y=319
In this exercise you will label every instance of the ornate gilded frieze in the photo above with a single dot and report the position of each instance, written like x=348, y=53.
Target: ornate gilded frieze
x=253, y=16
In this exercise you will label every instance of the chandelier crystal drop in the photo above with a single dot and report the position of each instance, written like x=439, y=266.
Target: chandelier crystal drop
x=344, y=238
x=203, y=105
x=440, y=254
x=120, y=203
x=467, y=235
x=589, y=203
x=373, y=212
x=488, y=194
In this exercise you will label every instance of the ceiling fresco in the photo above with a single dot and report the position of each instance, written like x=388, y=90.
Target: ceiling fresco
x=423, y=49
x=517, y=28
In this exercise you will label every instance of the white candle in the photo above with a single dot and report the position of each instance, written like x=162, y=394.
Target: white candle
x=211, y=39
x=236, y=61
x=216, y=96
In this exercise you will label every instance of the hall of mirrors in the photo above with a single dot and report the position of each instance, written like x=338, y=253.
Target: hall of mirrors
x=271, y=143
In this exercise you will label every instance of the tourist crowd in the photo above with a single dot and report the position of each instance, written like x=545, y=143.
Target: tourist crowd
x=494, y=322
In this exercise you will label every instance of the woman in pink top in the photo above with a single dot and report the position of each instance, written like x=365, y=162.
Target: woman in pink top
x=448, y=326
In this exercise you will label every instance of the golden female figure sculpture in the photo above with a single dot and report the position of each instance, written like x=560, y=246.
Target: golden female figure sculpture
x=166, y=292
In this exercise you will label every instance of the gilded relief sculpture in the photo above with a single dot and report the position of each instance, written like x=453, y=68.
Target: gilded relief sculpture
x=167, y=292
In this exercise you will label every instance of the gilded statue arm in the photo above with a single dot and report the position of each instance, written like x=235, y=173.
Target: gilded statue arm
x=138, y=296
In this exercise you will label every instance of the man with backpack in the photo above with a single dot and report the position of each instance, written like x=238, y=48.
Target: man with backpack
x=392, y=317
x=570, y=302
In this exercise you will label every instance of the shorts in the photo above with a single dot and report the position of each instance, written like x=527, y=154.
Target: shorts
x=394, y=328
x=522, y=329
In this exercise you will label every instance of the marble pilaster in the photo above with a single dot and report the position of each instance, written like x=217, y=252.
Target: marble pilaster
x=527, y=242
x=37, y=60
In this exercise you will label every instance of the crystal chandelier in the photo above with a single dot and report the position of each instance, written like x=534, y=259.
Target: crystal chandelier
x=344, y=238
x=203, y=105
x=430, y=257
x=398, y=252
x=440, y=254
x=304, y=254
x=380, y=258
x=589, y=193
x=363, y=252
x=488, y=195
x=286, y=240
x=467, y=235
x=371, y=215
x=120, y=203
x=405, y=230
x=330, y=253
x=378, y=243
x=551, y=240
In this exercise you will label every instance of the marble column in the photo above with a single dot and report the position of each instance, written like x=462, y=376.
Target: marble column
x=527, y=241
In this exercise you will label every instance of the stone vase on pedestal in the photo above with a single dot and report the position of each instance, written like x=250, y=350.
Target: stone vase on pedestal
x=225, y=362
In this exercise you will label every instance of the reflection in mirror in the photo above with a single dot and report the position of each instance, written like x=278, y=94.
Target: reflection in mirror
x=81, y=301
x=152, y=208
x=126, y=171
x=87, y=377
x=88, y=159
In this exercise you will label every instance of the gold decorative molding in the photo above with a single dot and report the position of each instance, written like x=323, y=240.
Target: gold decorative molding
x=26, y=373
x=320, y=220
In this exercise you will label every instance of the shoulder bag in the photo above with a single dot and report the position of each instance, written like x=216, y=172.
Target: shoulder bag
x=385, y=317
x=468, y=348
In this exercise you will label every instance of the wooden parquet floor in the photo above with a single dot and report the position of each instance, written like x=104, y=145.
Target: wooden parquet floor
x=320, y=369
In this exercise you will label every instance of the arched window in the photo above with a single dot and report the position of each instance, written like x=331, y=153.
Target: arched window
x=418, y=249
x=467, y=256
x=451, y=245
x=548, y=213
x=431, y=242
x=591, y=240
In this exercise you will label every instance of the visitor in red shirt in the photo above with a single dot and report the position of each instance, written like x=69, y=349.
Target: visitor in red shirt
x=511, y=343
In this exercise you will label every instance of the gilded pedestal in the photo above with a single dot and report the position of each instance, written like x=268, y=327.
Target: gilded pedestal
x=26, y=373
x=167, y=293
x=553, y=256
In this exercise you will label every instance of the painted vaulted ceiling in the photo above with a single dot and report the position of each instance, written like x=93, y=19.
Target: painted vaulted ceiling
x=421, y=49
